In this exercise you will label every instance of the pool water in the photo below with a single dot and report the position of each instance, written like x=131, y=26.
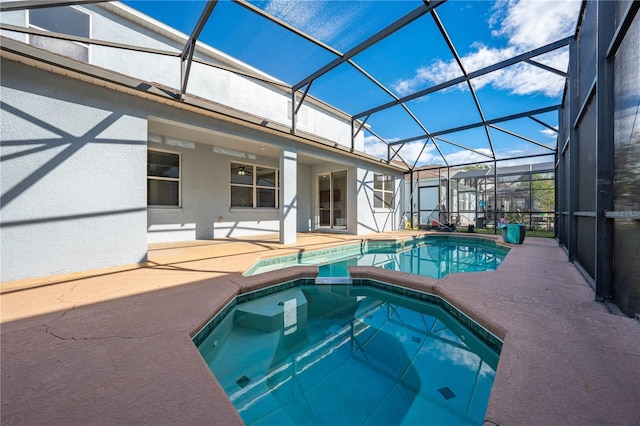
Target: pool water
x=430, y=258
x=349, y=355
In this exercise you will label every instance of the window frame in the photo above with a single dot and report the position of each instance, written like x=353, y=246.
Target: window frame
x=85, y=45
x=255, y=187
x=161, y=178
x=379, y=193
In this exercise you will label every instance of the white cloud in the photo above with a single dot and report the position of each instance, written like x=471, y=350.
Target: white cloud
x=410, y=152
x=527, y=24
x=375, y=147
x=530, y=24
x=325, y=20
x=551, y=134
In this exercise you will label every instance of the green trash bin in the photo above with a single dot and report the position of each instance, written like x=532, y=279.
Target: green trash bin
x=513, y=233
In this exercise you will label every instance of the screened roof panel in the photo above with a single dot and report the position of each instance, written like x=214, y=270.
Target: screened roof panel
x=475, y=138
x=468, y=24
x=419, y=154
x=457, y=156
x=446, y=109
x=340, y=24
x=410, y=59
x=181, y=15
x=507, y=146
x=394, y=124
x=262, y=44
x=529, y=129
x=516, y=89
x=348, y=89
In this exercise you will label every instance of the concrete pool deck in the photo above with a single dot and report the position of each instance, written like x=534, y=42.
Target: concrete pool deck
x=114, y=347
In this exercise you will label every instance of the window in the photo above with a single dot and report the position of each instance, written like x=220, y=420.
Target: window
x=65, y=20
x=163, y=179
x=253, y=186
x=383, y=188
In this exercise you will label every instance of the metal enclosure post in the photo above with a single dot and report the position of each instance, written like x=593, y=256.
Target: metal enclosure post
x=293, y=112
x=530, y=196
x=475, y=215
x=448, y=199
x=604, y=153
x=574, y=108
x=559, y=190
x=411, y=198
x=495, y=195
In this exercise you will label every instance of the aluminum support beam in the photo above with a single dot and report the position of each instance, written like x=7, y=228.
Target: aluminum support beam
x=417, y=169
x=524, y=138
x=7, y=6
x=480, y=124
x=286, y=26
x=605, y=163
x=419, y=154
x=544, y=124
x=454, y=52
x=624, y=25
x=186, y=57
x=86, y=40
x=574, y=152
x=495, y=196
x=463, y=147
x=547, y=68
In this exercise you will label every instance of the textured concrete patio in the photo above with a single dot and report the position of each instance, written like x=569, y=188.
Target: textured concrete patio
x=114, y=346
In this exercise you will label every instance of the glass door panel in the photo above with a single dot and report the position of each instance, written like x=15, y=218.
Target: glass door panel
x=324, y=201
x=339, y=199
x=332, y=200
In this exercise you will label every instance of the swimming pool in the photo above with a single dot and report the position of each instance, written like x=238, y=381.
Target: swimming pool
x=432, y=256
x=351, y=355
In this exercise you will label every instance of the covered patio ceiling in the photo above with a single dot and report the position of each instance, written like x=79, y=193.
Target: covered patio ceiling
x=425, y=86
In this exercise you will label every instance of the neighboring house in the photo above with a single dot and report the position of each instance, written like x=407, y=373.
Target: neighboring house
x=102, y=154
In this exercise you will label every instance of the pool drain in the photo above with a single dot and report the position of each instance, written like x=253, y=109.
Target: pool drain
x=447, y=393
x=243, y=381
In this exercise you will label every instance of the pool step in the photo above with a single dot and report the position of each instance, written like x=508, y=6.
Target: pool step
x=271, y=313
x=333, y=280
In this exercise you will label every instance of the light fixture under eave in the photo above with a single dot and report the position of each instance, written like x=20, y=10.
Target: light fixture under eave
x=241, y=171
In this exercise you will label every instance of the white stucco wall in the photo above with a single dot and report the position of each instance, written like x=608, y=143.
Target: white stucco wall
x=370, y=219
x=305, y=198
x=73, y=176
x=17, y=17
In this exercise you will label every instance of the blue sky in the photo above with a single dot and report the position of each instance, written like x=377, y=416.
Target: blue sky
x=414, y=58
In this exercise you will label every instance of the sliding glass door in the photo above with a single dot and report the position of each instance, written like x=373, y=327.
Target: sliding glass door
x=332, y=200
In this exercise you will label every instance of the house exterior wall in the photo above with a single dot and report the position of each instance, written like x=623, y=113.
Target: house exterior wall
x=205, y=212
x=369, y=218
x=305, y=198
x=73, y=175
